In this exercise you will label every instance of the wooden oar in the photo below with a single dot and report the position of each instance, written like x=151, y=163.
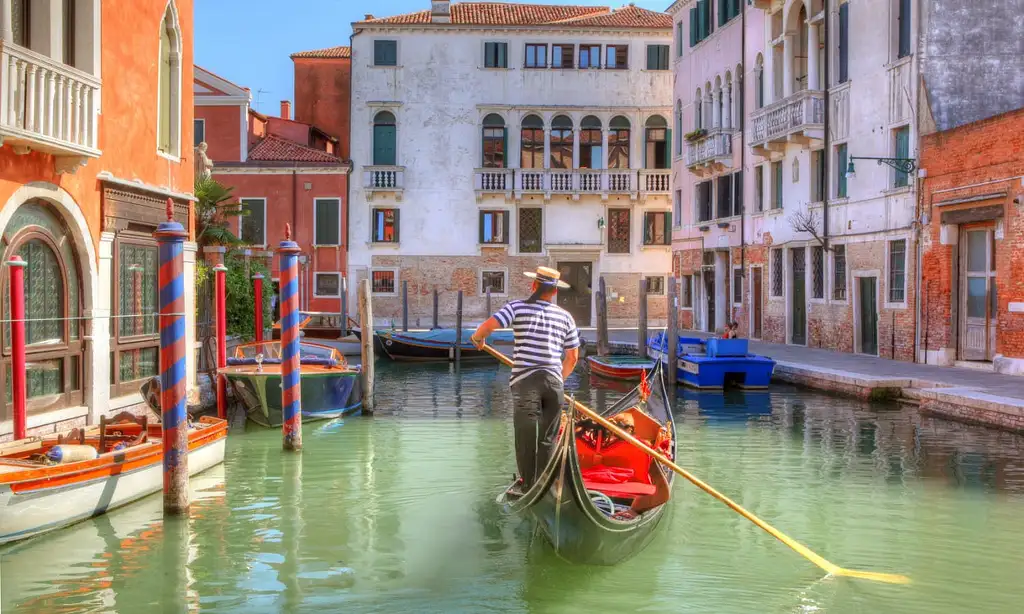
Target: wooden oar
x=831, y=568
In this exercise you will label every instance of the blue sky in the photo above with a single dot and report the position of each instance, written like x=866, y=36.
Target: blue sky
x=249, y=41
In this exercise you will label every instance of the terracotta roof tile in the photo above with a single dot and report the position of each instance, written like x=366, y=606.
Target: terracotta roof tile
x=508, y=14
x=330, y=52
x=275, y=149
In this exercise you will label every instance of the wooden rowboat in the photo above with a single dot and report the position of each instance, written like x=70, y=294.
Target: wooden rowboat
x=628, y=368
x=123, y=462
x=437, y=345
x=599, y=499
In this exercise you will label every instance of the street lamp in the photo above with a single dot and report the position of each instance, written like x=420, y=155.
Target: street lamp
x=903, y=165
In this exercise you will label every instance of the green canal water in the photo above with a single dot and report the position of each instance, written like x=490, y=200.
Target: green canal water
x=396, y=513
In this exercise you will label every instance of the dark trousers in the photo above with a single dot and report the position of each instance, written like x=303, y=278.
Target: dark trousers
x=537, y=399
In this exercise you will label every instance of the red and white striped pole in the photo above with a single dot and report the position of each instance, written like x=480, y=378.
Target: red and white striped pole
x=291, y=387
x=220, y=289
x=257, y=282
x=18, y=371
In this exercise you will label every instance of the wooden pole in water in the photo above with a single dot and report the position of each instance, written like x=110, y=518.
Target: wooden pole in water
x=366, y=338
x=641, y=348
x=458, y=329
x=405, y=306
x=19, y=372
x=602, y=318
x=671, y=335
x=257, y=290
x=435, y=309
x=170, y=237
x=220, y=291
x=291, y=386
x=344, y=307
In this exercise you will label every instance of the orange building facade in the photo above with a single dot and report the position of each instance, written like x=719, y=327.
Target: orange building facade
x=96, y=135
x=283, y=172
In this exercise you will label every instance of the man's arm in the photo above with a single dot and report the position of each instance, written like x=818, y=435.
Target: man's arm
x=484, y=331
x=569, y=362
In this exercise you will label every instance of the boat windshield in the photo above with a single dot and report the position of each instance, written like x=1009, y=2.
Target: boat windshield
x=271, y=350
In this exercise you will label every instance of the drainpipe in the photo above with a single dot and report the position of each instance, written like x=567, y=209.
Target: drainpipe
x=828, y=149
x=348, y=183
x=919, y=208
x=295, y=216
x=743, y=142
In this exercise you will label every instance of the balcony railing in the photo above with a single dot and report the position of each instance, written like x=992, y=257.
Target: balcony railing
x=798, y=118
x=714, y=149
x=655, y=181
x=573, y=182
x=47, y=106
x=384, y=179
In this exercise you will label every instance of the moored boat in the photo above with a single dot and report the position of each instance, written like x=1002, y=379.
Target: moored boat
x=330, y=387
x=50, y=483
x=718, y=364
x=600, y=499
x=436, y=345
x=620, y=367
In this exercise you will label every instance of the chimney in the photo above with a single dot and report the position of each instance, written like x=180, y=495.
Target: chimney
x=440, y=11
x=286, y=109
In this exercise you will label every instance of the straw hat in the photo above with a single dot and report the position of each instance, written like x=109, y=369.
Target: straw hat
x=546, y=275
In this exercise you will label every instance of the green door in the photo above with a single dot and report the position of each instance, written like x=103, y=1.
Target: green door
x=384, y=145
x=868, y=315
x=799, y=297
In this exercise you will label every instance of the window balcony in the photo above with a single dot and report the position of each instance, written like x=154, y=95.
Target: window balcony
x=493, y=181
x=384, y=179
x=48, y=106
x=799, y=118
x=575, y=182
x=655, y=182
x=711, y=153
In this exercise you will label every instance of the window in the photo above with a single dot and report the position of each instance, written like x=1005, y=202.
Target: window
x=618, y=143
x=561, y=143
x=383, y=281
x=169, y=88
x=759, y=82
x=901, y=136
x=198, y=131
x=776, y=185
x=21, y=20
x=618, y=231
x=818, y=176
x=590, y=56
x=530, y=230
x=686, y=292
x=679, y=127
x=494, y=227
x=253, y=222
x=135, y=339
x=591, y=151
x=536, y=56
x=657, y=154
x=561, y=56
x=698, y=111
x=493, y=281
x=679, y=39
x=777, y=272
x=759, y=188
x=817, y=272
x=385, y=139
x=677, y=208
x=69, y=32
x=327, y=284
x=703, y=201
x=701, y=25
x=495, y=141
x=897, y=270
x=737, y=286
x=657, y=228
x=841, y=166
x=385, y=53
x=531, y=148
x=327, y=221
x=385, y=226
x=839, y=272
x=496, y=55
x=656, y=285
x=727, y=10
x=657, y=57
x=903, y=49
x=724, y=196
x=844, y=42
x=616, y=56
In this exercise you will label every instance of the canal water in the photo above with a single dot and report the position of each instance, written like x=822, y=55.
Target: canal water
x=396, y=513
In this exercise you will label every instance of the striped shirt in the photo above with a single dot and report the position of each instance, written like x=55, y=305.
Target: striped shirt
x=542, y=331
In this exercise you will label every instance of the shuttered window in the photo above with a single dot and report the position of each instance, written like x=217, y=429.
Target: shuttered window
x=904, y=24
x=494, y=227
x=777, y=185
x=841, y=164
x=844, y=42
x=385, y=53
x=327, y=213
x=496, y=55
x=679, y=39
x=902, y=137
x=657, y=57
x=897, y=270
x=839, y=272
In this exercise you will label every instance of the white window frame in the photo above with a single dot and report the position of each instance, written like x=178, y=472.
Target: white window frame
x=174, y=137
x=373, y=236
x=318, y=295
x=373, y=52
x=682, y=278
x=394, y=271
x=480, y=280
x=771, y=274
x=315, y=202
x=664, y=284
x=264, y=200
x=886, y=303
x=831, y=295
x=508, y=54
x=393, y=109
x=543, y=228
x=732, y=283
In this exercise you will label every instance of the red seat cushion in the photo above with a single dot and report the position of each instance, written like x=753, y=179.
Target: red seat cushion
x=625, y=490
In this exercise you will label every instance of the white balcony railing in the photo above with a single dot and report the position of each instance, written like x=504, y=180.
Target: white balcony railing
x=493, y=180
x=709, y=148
x=384, y=179
x=655, y=181
x=46, y=105
x=575, y=182
x=803, y=112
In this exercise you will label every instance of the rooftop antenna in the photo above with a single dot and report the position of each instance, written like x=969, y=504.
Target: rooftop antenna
x=260, y=92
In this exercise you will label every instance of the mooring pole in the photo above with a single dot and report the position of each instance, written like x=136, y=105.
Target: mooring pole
x=291, y=387
x=366, y=339
x=458, y=329
x=405, y=306
x=671, y=335
x=435, y=309
x=257, y=290
x=602, y=318
x=489, y=312
x=641, y=348
x=219, y=274
x=170, y=237
x=18, y=370
x=344, y=307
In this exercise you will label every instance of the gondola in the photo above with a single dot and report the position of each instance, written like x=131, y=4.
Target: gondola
x=619, y=367
x=599, y=499
x=437, y=345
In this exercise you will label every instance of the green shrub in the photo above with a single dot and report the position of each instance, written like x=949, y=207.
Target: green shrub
x=241, y=298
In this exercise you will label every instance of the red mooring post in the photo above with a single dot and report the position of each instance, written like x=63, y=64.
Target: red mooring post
x=220, y=273
x=170, y=237
x=291, y=401
x=257, y=288
x=18, y=372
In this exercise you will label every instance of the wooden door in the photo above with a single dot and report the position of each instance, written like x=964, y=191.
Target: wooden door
x=799, y=305
x=576, y=299
x=868, y=305
x=977, y=294
x=709, y=294
x=756, y=302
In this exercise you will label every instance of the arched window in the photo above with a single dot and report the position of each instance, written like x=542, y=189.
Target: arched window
x=531, y=149
x=658, y=137
x=561, y=142
x=716, y=101
x=591, y=152
x=495, y=141
x=698, y=112
x=679, y=127
x=618, y=142
x=385, y=135
x=759, y=81
x=168, y=134
x=53, y=298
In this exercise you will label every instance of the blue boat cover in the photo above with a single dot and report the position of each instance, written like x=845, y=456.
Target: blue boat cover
x=659, y=341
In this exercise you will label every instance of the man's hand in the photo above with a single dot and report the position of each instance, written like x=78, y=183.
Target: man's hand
x=481, y=334
x=478, y=342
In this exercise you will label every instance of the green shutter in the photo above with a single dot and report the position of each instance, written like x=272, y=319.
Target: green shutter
x=723, y=11
x=694, y=26
x=668, y=228
x=841, y=172
x=668, y=148
x=904, y=16
x=502, y=55
x=902, y=151
x=844, y=42
x=384, y=145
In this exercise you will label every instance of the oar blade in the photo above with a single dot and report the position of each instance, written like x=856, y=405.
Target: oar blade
x=875, y=576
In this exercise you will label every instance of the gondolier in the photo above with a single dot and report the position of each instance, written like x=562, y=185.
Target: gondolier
x=542, y=332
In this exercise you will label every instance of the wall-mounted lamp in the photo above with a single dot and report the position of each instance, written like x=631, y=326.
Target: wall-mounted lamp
x=904, y=165
x=600, y=223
